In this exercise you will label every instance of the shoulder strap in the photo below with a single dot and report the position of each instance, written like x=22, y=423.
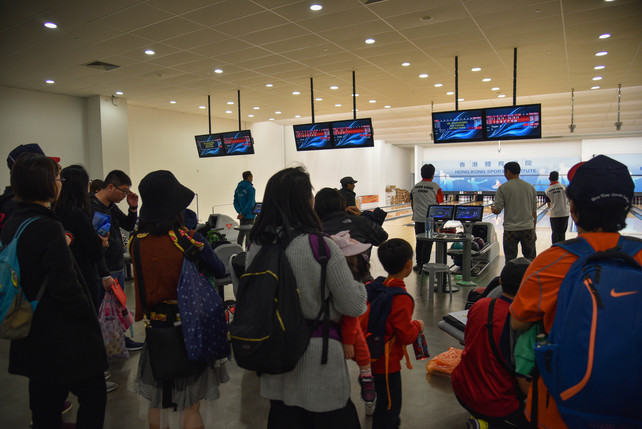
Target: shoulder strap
x=138, y=272
x=24, y=226
x=321, y=254
x=577, y=246
x=630, y=245
x=491, y=337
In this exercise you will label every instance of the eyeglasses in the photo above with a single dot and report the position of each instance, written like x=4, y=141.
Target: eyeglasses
x=124, y=191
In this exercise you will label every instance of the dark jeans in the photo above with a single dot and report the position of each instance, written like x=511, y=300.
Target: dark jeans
x=384, y=418
x=46, y=401
x=423, y=248
x=243, y=234
x=558, y=229
x=289, y=417
x=526, y=238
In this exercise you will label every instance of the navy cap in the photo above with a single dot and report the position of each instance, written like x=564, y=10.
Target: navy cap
x=347, y=181
x=26, y=148
x=601, y=180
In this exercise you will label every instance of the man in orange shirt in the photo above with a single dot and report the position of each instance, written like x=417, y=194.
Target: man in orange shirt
x=600, y=194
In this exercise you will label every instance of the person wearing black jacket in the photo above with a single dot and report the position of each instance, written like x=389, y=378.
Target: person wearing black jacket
x=64, y=350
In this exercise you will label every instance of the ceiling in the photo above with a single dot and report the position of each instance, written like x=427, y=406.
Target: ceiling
x=284, y=43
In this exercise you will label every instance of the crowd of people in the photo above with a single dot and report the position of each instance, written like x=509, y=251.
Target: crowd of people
x=69, y=268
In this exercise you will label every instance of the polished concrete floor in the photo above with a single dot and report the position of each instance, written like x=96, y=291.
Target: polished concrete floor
x=428, y=401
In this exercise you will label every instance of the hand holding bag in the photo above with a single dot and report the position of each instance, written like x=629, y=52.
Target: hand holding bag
x=112, y=330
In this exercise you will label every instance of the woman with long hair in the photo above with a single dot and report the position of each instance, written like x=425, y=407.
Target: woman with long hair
x=64, y=350
x=73, y=208
x=160, y=259
x=313, y=395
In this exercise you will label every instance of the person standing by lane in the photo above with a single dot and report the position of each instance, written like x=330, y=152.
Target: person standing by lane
x=519, y=200
x=423, y=195
x=244, y=202
x=558, y=206
x=348, y=194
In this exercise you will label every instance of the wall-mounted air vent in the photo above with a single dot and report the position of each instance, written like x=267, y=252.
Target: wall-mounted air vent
x=101, y=66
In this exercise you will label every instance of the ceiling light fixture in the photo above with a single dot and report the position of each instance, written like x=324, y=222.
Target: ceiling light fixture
x=595, y=87
x=230, y=102
x=337, y=105
x=486, y=79
x=476, y=69
x=318, y=99
x=334, y=87
x=256, y=107
x=250, y=116
x=218, y=71
x=228, y=111
x=278, y=112
x=501, y=96
x=119, y=92
x=423, y=75
x=604, y=36
x=269, y=85
x=372, y=101
x=597, y=78
x=460, y=99
x=50, y=25
x=296, y=92
x=297, y=116
x=387, y=107
x=450, y=93
x=439, y=85
x=405, y=64
x=601, y=53
x=50, y=81
x=271, y=119
x=370, y=41
x=354, y=95
x=202, y=107
x=172, y=102
x=149, y=52
x=315, y=7
x=495, y=88
x=599, y=67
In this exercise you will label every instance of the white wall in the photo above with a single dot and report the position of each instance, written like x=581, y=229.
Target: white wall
x=610, y=146
x=56, y=122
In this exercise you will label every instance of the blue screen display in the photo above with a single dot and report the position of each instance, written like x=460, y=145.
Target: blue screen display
x=457, y=126
x=354, y=133
x=238, y=143
x=514, y=122
x=312, y=136
x=209, y=145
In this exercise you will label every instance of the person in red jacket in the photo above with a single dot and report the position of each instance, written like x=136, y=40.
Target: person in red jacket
x=396, y=257
x=482, y=384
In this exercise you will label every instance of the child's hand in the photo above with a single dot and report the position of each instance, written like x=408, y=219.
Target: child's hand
x=421, y=323
x=348, y=351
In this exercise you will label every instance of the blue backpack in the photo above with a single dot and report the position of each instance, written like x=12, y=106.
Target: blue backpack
x=202, y=312
x=16, y=311
x=591, y=362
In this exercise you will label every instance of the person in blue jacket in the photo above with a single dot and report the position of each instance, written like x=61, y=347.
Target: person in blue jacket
x=244, y=202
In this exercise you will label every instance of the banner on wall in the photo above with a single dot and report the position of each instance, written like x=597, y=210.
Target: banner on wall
x=486, y=175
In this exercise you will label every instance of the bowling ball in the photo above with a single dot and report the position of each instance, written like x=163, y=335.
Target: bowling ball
x=480, y=242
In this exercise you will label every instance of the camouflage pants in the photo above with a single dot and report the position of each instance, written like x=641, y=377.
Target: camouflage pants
x=525, y=237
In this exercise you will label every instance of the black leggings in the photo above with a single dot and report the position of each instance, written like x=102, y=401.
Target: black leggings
x=46, y=401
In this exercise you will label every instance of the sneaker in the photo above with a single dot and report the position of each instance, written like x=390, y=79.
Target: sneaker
x=111, y=386
x=370, y=409
x=368, y=393
x=107, y=375
x=132, y=345
x=68, y=406
x=474, y=423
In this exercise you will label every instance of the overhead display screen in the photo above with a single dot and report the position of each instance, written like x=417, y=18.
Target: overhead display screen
x=353, y=133
x=209, y=145
x=458, y=126
x=514, y=122
x=312, y=136
x=238, y=143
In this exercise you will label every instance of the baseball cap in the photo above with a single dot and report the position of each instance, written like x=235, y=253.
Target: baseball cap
x=26, y=148
x=347, y=180
x=348, y=245
x=600, y=180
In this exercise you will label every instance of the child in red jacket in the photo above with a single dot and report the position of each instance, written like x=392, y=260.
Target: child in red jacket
x=400, y=330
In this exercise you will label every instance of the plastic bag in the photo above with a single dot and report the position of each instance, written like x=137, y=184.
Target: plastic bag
x=112, y=329
x=444, y=363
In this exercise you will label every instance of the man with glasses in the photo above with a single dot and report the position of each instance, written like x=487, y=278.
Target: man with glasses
x=116, y=187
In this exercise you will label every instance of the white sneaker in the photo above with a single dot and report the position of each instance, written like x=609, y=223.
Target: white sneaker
x=107, y=375
x=370, y=408
x=111, y=386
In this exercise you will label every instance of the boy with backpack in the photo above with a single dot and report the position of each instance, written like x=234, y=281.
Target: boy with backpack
x=484, y=382
x=389, y=328
x=588, y=364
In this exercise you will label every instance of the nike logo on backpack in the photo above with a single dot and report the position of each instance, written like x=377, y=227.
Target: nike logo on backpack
x=615, y=294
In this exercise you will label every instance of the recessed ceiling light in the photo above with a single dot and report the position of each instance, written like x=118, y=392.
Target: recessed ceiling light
x=278, y=112
x=501, y=96
x=486, y=79
x=405, y=64
x=423, y=75
x=149, y=52
x=202, y=107
x=460, y=99
x=439, y=85
x=609, y=0
x=495, y=88
x=354, y=95
x=218, y=71
x=172, y=102
x=476, y=69
x=119, y=92
x=318, y=99
x=370, y=41
x=450, y=93
x=334, y=87
x=256, y=107
x=296, y=92
x=425, y=18
x=595, y=87
x=297, y=116
x=271, y=119
x=230, y=102
x=50, y=25
x=372, y=101
x=601, y=53
x=269, y=85
x=250, y=116
x=599, y=67
x=386, y=107
x=597, y=78
x=316, y=7
x=605, y=36
x=337, y=105
x=228, y=111
x=50, y=82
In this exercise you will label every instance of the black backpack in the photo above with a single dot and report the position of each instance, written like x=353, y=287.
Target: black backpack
x=269, y=332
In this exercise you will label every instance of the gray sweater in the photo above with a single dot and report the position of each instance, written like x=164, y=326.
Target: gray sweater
x=310, y=385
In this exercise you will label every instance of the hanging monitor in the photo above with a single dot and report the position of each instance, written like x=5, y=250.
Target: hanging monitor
x=514, y=122
x=238, y=143
x=209, y=145
x=352, y=133
x=312, y=136
x=458, y=126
